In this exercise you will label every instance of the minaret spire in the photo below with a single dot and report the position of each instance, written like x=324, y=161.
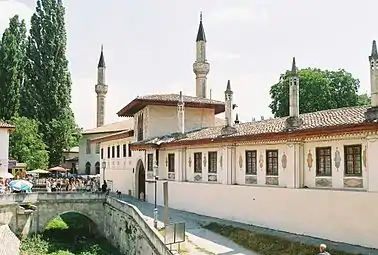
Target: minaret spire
x=372, y=113
x=201, y=67
x=101, y=89
x=228, y=104
x=293, y=121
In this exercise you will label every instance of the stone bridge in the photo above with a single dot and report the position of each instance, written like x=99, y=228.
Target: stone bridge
x=121, y=223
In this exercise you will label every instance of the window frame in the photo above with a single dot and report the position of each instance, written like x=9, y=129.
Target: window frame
x=113, y=151
x=171, y=162
x=319, y=156
x=150, y=162
x=109, y=153
x=212, y=164
x=274, y=161
x=197, y=162
x=251, y=155
x=359, y=161
x=124, y=150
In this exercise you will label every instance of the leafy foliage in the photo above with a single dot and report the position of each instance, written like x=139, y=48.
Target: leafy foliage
x=265, y=244
x=12, y=61
x=318, y=90
x=26, y=145
x=67, y=235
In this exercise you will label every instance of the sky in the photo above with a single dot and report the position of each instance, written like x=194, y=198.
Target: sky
x=149, y=46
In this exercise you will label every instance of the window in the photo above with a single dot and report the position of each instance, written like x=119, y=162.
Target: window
x=212, y=166
x=323, y=161
x=198, y=162
x=88, y=146
x=150, y=162
x=113, y=151
x=97, y=167
x=272, y=162
x=124, y=150
x=140, y=128
x=251, y=162
x=130, y=152
x=118, y=151
x=97, y=148
x=102, y=153
x=171, y=162
x=108, y=151
x=353, y=160
x=88, y=168
x=157, y=157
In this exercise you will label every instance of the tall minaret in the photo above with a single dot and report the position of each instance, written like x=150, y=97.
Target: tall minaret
x=228, y=94
x=372, y=113
x=201, y=67
x=294, y=91
x=101, y=89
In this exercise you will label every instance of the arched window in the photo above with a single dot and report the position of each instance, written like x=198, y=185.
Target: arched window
x=88, y=168
x=97, y=167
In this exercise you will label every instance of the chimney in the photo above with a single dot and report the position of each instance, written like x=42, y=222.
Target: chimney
x=181, y=114
x=294, y=91
x=262, y=117
x=237, y=119
x=253, y=119
x=228, y=94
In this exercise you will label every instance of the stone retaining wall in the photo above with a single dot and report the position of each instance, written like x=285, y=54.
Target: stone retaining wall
x=10, y=244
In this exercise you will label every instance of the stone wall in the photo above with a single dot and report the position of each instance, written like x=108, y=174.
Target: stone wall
x=10, y=244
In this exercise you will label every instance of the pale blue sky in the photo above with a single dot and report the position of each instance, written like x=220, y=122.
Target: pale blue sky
x=150, y=46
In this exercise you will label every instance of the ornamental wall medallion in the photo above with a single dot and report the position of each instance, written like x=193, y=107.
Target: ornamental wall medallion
x=198, y=178
x=310, y=160
x=284, y=161
x=166, y=161
x=240, y=161
x=190, y=161
x=204, y=161
x=220, y=161
x=261, y=161
x=364, y=157
x=337, y=159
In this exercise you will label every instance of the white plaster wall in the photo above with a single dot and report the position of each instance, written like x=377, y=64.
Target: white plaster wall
x=344, y=216
x=4, y=150
x=162, y=120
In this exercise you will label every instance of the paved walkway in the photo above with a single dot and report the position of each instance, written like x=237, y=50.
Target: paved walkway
x=205, y=242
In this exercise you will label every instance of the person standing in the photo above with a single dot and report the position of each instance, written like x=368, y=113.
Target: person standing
x=322, y=249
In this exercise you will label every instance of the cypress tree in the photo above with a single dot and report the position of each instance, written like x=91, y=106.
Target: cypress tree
x=12, y=63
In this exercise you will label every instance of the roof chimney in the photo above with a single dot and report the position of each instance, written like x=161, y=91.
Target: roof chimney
x=237, y=119
x=181, y=114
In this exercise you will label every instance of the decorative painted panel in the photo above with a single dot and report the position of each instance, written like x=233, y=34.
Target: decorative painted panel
x=251, y=179
x=190, y=161
x=271, y=180
x=310, y=160
x=364, y=157
x=198, y=177
x=212, y=178
x=171, y=176
x=323, y=182
x=204, y=161
x=284, y=161
x=337, y=159
x=261, y=161
x=240, y=161
x=353, y=183
x=220, y=161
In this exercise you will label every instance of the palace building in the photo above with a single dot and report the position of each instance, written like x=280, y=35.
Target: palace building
x=313, y=174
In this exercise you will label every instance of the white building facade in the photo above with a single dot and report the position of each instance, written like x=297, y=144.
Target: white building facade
x=5, y=130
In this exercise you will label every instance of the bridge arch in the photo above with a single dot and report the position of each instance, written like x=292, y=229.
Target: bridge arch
x=45, y=223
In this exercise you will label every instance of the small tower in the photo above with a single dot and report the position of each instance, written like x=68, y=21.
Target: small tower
x=101, y=89
x=228, y=94
x=293, y=121
x=201, y=67
x=181, y=114
x=372, y=113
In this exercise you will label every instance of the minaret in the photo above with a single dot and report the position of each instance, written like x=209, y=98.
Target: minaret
x=372, y=113
x=181, y=114
x=101, y=89
x=201, y=67
x=228, y=94
x=294, y=91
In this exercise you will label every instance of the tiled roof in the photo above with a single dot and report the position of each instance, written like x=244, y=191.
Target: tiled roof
x=219, y=122
x=113, y=127
x=169, y=100
x=5, y=125
x=323, y=119
x=114, y=136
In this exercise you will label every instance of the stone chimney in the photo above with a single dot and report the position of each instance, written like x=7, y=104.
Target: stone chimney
x=372, y=113
x=293, y=121
x=181, y=114
x=237, y=119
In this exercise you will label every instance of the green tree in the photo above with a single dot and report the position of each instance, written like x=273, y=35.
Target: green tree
x=318, y=90
x=12, y=61
x=26, y=145
x=364, y=99
x=47, y=92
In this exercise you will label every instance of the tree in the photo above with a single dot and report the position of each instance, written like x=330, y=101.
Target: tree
x=318, y=90
x=12, y=60
x=364, y=99
x=26, y=145
x=47, y=92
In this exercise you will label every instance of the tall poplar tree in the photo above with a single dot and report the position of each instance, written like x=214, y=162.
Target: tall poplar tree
x=12, y=63
x=46, y=95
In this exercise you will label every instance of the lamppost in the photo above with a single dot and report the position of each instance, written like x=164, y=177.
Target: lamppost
x=103, y=170
x=156, y=175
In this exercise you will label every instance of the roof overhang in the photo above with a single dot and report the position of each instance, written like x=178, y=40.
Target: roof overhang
x=137, y=104
x=112, y=137
x=296, y=135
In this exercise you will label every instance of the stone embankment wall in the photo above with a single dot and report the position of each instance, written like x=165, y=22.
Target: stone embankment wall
x=10, y=244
